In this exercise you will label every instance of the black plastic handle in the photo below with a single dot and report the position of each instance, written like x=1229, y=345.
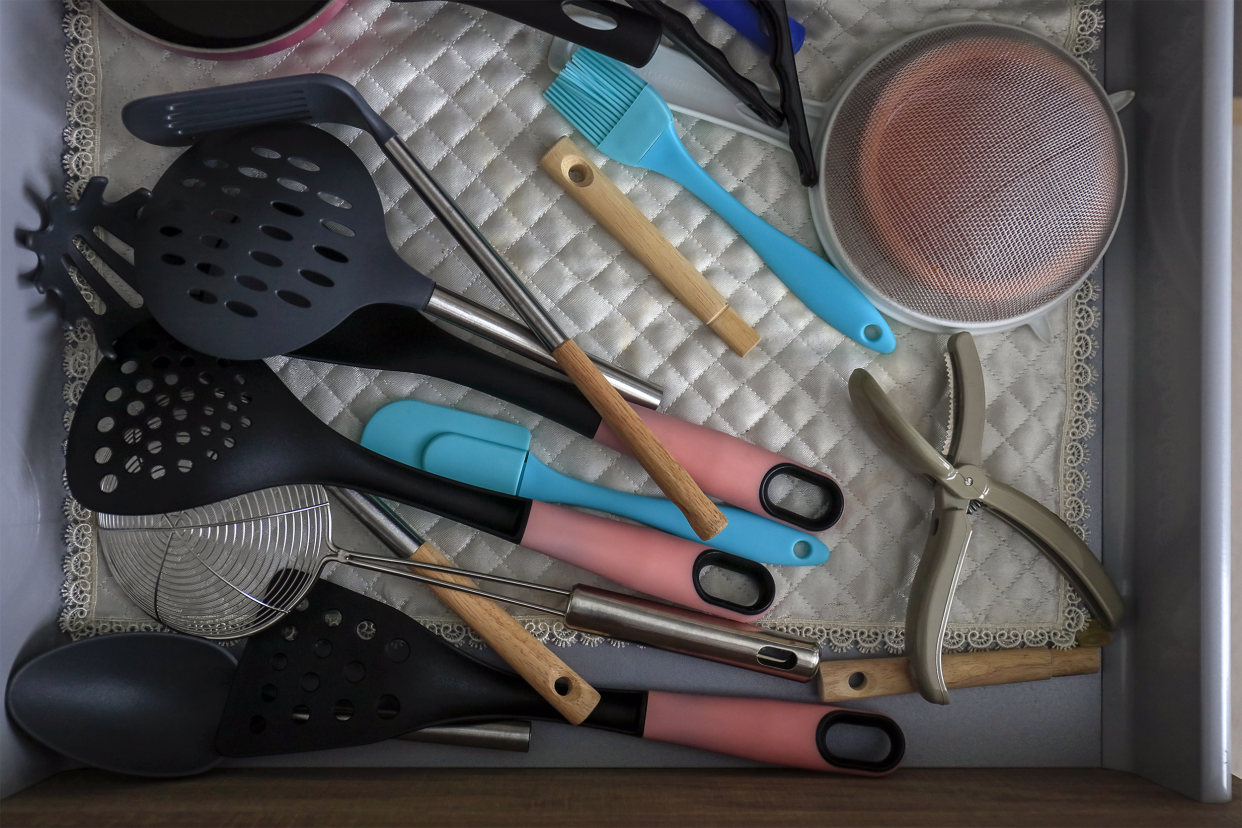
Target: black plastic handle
x=681, y=31
x=344, y=463
x=756, y=573
x=633, y=39
x=775, y=18
x=399, y=338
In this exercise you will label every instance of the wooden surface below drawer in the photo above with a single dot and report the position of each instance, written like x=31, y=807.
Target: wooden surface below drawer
x=606, y=797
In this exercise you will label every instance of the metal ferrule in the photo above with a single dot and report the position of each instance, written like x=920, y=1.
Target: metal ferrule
x=513, y=736
x=508, y=333
x=475, y=245
x=691, y=633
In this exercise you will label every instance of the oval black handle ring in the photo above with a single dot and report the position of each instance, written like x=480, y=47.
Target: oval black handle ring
x=757, y=573
x=858, y=718
x=834, y=500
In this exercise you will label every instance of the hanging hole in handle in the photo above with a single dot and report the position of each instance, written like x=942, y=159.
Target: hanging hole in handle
x=578, y=171
x=733, y=583
x=801, y=497
x=854, y=740
x=561, y=686
x=857, y=681
x=588, y=16
x=777, y=658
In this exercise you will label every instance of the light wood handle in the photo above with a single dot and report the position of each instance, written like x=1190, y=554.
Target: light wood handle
x=705, y=518
x=513, y=642
x=868, y=677
x=588, y=186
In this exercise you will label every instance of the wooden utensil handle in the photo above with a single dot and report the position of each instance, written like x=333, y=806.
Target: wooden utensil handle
x=512, y=642
x=705, y=518
x=869, y=677
x=588, y=186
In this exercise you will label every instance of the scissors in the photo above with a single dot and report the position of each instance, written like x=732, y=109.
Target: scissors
x=960, y=487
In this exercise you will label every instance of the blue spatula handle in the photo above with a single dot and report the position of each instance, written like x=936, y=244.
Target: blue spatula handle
x=747, y=535
x=743, y=17
x=819, y=285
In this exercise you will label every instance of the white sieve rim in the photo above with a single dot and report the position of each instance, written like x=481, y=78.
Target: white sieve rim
x=826, y=231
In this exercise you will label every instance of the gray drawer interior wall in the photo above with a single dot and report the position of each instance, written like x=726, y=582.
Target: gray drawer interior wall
x=1161, y=706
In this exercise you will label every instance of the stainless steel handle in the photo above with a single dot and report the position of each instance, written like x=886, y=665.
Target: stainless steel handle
x=514, y=736
x=473, y=242
x=690, y=633
x=509, y=333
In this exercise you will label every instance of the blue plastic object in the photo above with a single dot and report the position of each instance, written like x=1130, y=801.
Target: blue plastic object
x=742, y=16
x=629, y=122
x=495, y=455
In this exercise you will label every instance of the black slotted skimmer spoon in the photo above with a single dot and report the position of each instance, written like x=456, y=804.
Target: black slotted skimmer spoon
x=182, y=118
x=229, y=222
x=164, y=429
x=397, y=679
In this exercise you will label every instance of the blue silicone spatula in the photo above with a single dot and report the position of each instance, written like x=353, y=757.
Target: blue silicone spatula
x=628, y=121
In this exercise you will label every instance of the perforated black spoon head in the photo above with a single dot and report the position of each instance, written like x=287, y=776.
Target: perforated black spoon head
x=164, y=428
x=258, y=242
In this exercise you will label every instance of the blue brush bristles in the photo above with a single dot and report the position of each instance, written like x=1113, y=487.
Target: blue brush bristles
x=593, y=92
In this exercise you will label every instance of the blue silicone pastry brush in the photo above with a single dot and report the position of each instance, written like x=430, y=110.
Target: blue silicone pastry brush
x=629, y=122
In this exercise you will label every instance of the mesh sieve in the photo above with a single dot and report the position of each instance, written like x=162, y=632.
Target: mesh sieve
x=225, y=570
x=972, y=175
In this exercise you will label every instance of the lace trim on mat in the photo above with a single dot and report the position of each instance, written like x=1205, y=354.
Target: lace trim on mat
x=79, y=590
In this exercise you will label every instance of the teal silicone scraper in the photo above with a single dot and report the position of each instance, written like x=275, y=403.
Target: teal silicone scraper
x=495, y=455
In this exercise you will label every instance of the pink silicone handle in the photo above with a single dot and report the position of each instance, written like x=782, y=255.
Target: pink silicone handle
x=765, y=730
x=634, y=556
x=724, y=466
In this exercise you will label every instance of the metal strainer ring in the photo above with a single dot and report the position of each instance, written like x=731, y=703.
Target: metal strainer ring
x=973, y=175
x=225, y=570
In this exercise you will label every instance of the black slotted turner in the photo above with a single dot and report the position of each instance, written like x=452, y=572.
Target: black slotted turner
x=259, y=242
x=384, y=337
x=163, y=428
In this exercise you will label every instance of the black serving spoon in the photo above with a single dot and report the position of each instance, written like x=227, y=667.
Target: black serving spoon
x=347, y=670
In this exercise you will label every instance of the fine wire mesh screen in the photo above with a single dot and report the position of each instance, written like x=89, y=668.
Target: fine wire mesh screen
x=225, y=570
x=973, y=175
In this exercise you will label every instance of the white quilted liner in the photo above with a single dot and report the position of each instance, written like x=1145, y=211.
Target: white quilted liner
x=464, y=88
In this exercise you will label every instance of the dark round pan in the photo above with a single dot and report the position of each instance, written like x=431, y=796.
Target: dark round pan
x=224, y=29
x=240, y=29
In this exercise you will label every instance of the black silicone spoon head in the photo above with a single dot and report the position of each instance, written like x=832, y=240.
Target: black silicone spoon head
x=258, y=242
x=140, y=703
x=164, y=428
